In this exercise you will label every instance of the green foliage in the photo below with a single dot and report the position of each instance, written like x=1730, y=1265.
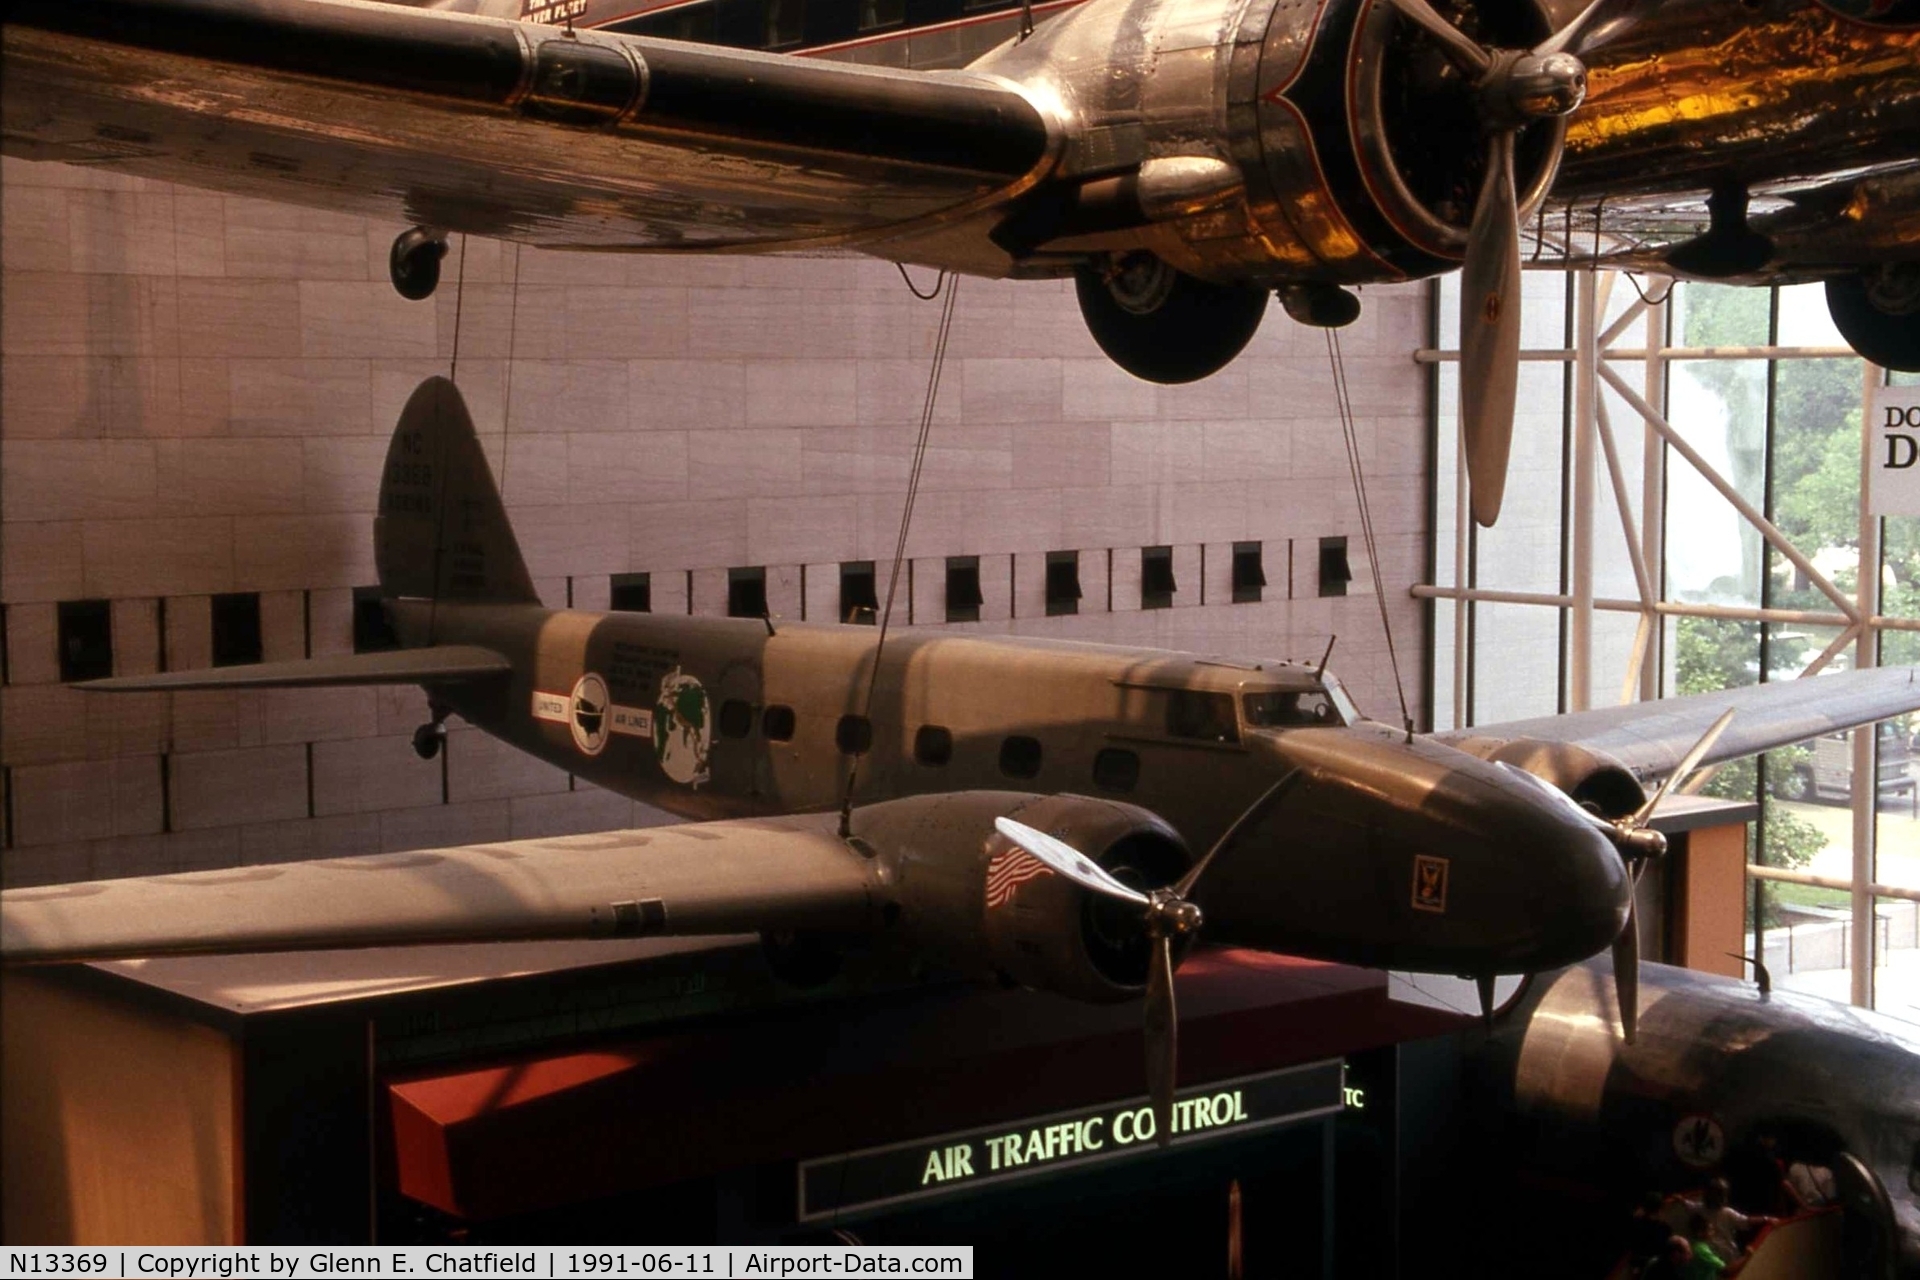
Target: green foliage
x=1719, y=653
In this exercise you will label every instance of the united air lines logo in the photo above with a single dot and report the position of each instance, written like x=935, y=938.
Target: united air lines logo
x=1430, y=884
x=587, y=713
x=591, y=715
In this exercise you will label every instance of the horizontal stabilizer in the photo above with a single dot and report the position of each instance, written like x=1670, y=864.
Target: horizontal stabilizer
x=706, y=879
x=436, y=664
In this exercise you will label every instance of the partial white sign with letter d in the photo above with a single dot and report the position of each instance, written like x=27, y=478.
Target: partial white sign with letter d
x=1893, y=439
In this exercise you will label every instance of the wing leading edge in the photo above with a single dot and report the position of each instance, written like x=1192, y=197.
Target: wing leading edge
x=520, y=131
x=1650, y=738
x=701, y=879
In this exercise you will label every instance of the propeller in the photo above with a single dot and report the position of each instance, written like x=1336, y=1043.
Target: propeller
x=1513, y=88
x=1168, y=914
x=1638, y=844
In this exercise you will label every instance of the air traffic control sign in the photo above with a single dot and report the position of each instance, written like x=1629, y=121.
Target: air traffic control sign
x=958, y=1162
x=1893, y=443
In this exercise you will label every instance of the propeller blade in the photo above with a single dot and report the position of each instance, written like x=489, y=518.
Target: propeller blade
x=1465, y=54
x=1067, y=860
x=1588, y=21
x=1626, y=972
x=1686, y=766
x=1268, y=798
x=1484, y=984
x=1490, y=330
x=1163, y=1034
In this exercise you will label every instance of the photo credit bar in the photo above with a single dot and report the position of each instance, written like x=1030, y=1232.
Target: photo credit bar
x=708, y=1262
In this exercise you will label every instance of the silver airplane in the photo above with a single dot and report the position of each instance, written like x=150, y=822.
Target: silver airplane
x=1718, y=1064
x=1183, y=160
x=1024, y=809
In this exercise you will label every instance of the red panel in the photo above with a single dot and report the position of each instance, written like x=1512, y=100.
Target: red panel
x=552, y=1129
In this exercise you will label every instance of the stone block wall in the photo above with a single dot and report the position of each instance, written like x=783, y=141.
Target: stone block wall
x=196, y=392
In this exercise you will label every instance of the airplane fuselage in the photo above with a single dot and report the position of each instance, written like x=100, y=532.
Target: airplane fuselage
x=1438, y=859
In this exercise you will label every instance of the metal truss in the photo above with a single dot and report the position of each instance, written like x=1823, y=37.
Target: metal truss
x=1638, y=375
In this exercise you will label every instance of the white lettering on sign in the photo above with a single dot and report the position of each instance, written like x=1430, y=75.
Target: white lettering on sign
x=1893, y=444
x=551, y=706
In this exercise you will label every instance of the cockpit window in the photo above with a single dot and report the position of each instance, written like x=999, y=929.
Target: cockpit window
x=1193, y=713
x=1290, y=709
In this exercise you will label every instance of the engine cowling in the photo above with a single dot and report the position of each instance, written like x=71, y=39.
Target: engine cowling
x=961, y=891
x=1593, y=778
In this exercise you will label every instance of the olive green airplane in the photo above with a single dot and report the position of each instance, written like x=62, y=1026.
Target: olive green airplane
x=1021, y=809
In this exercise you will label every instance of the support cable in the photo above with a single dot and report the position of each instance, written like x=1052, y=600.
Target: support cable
x=1351, y=436
x=945, y=331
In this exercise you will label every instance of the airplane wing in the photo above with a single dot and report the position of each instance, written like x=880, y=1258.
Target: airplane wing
x=517, y=130
x=702, y=878
x=1649, y=738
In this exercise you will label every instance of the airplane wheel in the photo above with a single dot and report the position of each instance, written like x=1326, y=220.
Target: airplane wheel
x=427, y=739
x=1162, y=325
x=1878, y=313
x=414, y=263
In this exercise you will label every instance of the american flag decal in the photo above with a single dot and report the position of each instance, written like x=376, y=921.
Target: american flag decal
x=1009, y=869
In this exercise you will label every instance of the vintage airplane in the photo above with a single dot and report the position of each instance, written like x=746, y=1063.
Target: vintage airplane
x=1717, y=1065
x=1023, y=808
x=1182, y=159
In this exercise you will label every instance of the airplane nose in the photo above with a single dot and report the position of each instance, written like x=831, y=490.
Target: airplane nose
x=1412, y=855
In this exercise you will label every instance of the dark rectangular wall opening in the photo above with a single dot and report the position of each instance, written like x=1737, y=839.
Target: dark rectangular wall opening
x=86, y=640
x=1156, y=578
x=372, y=629
x=1063, y=582
x=963, y=589
x=1249, y=573
x=747, y=592
x=631, y=593
x=236, y=629
x=1335, y=572
x=859, y=597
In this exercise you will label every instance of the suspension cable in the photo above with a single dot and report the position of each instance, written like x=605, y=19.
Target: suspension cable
x=1350, y=434
x=945, y=331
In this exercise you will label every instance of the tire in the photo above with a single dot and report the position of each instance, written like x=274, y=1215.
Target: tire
x=1162, y=325
x=1890, y=339
x=413, y=264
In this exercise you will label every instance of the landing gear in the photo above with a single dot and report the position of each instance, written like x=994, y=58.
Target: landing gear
x=1878, y=313
x=413, y=264
x=431, y=736
x=1730, y=247
x=1162, y=325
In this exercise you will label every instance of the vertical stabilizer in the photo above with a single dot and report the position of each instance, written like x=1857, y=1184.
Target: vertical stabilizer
x=442, y=531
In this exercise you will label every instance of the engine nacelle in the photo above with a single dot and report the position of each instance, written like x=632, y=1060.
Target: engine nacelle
x=964, y=893
x=1592, y=778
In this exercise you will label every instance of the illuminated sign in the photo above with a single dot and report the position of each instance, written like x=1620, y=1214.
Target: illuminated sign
x=1024, y=1148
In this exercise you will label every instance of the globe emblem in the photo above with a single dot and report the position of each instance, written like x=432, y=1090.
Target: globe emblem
x=682, y=729
x=587, y=713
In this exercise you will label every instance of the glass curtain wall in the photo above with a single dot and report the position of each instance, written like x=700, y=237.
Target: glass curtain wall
x=1688, y=593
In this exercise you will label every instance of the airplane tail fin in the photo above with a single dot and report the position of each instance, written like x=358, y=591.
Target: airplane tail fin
x=442, y=531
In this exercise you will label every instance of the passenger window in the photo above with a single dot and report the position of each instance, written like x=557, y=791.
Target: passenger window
x=854, y=735
x=736, y=718
x=1020, y=756
x=777, y=723
x=933, y=745
x=1207, y=717
x=1116, y=769
x=1290, y=709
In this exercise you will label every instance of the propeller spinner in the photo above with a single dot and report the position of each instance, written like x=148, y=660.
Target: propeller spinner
x=1512, y=89
x=1167, y=915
